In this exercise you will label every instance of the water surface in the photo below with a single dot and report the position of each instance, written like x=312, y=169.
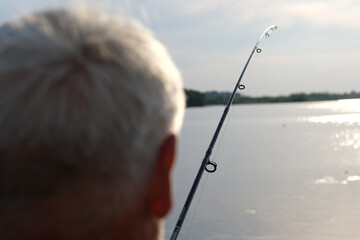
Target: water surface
x=285, y=171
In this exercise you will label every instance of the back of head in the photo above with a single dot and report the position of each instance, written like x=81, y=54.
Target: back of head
x=85, y=102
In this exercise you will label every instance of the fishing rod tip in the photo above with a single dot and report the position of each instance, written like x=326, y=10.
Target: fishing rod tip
x=273, y=28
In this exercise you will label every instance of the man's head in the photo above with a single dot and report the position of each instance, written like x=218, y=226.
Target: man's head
x=90, y=107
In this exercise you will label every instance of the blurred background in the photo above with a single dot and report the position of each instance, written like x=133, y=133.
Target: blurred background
x=314, y=50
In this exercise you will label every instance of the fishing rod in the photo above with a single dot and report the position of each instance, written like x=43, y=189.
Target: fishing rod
x=207, y=164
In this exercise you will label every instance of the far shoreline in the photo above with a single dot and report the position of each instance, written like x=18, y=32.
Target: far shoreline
x=209, y=98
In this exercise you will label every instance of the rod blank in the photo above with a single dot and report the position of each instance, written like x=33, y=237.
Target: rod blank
x=206, y=164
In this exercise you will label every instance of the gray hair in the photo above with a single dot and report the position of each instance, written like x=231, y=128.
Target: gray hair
x=82, y=95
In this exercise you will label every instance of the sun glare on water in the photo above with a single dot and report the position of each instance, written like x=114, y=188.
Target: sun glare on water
x=350, y=119
x=345, y=112
x=344, y=105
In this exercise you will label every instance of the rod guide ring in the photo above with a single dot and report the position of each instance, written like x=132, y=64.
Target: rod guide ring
x=212, y=167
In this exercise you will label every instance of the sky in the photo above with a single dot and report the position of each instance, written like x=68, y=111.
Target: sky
x=315, y=49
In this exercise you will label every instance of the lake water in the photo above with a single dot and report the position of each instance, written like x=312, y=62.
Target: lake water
x=286, y=171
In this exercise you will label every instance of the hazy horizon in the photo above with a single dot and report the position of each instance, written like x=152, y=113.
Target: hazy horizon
x=278, y=95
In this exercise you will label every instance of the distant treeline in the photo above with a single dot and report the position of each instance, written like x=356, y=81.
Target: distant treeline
x=196, y=98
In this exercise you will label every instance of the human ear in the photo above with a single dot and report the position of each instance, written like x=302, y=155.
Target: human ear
x=160, y=200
